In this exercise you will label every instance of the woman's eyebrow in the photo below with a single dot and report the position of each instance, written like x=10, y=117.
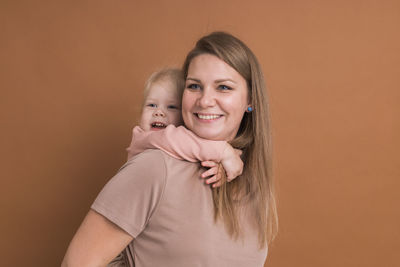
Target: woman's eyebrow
x=224, y=80
x=193, y=79
x=216, y=81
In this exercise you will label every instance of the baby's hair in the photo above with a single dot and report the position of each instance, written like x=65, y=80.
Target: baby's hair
x=175, y=75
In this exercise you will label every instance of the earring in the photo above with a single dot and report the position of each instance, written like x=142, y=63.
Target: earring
x=249, y=109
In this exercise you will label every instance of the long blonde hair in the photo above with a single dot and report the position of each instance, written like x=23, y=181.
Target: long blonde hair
x=255, y=185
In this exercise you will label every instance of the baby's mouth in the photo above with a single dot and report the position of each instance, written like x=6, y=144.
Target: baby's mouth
x=158, y=125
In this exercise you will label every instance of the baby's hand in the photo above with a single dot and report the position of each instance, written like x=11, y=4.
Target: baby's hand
x=231, y=165
x=232, y=162
x=216, y=171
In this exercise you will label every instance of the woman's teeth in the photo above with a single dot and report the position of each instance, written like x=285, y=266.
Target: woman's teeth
x=208, y=117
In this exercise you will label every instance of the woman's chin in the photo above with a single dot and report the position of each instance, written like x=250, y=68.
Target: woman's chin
x=211, y=134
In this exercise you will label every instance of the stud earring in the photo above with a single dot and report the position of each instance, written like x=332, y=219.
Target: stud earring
x=249, y=109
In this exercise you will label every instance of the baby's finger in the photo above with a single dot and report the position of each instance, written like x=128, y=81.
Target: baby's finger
x=217, y=184
x=208, y=163
x=209, y=172
x=212, y=180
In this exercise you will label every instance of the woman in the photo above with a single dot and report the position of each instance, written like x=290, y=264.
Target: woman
x=157, y=206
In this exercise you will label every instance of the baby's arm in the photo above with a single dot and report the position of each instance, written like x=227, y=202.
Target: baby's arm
x=178, y=142
x=181, y=143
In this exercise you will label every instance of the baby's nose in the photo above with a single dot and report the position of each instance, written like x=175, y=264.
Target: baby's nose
x=159, y=112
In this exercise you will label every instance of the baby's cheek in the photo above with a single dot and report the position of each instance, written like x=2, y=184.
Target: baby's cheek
x=144, y=123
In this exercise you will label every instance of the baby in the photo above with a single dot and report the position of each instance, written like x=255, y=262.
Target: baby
x=162, y=111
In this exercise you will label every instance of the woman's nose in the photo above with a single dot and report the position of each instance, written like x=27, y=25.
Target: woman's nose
x=207, y=98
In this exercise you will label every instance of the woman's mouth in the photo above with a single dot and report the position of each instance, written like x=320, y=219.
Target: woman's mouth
x=155, y=126
x=208, y=117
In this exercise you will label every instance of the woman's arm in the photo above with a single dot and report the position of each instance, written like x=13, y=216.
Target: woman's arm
x=96, y=242
x=120, y=212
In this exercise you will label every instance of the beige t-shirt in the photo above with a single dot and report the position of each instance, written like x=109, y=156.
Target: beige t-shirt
x=168, y=209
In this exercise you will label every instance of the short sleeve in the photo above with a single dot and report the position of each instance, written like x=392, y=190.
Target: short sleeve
x=130, y=198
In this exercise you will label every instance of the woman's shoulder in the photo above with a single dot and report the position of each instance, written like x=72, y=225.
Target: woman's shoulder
x=149, y=156
x=150, y=163
x=131, y=196
x=153, y=163
x=155, y=158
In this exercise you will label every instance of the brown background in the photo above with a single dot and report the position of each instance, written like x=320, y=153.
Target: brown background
x=71, y=76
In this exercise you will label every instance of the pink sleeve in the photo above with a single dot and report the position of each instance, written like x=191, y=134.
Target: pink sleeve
x=178, y=142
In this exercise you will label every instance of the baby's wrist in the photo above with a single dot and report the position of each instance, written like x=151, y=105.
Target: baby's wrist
x=228, y=153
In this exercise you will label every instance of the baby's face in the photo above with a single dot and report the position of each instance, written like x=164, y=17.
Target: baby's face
x=162, y=106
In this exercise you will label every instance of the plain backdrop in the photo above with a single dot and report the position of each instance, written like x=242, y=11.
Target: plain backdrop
x=71, y=81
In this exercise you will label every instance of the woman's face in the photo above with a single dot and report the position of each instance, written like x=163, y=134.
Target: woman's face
x=215, y=98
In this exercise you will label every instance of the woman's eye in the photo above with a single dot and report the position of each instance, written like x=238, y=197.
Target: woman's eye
x=152, y=105
x=224, y=87
x=193, y=86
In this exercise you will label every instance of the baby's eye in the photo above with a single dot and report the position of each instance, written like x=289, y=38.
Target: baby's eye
x=172, y=107
x=193, y=86
x=224, y=87
x=151, y=105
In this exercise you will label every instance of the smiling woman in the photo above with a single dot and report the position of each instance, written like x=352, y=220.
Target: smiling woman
x=160, y=213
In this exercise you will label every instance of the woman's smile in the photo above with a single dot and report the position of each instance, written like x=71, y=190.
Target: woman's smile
x=208, y=117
